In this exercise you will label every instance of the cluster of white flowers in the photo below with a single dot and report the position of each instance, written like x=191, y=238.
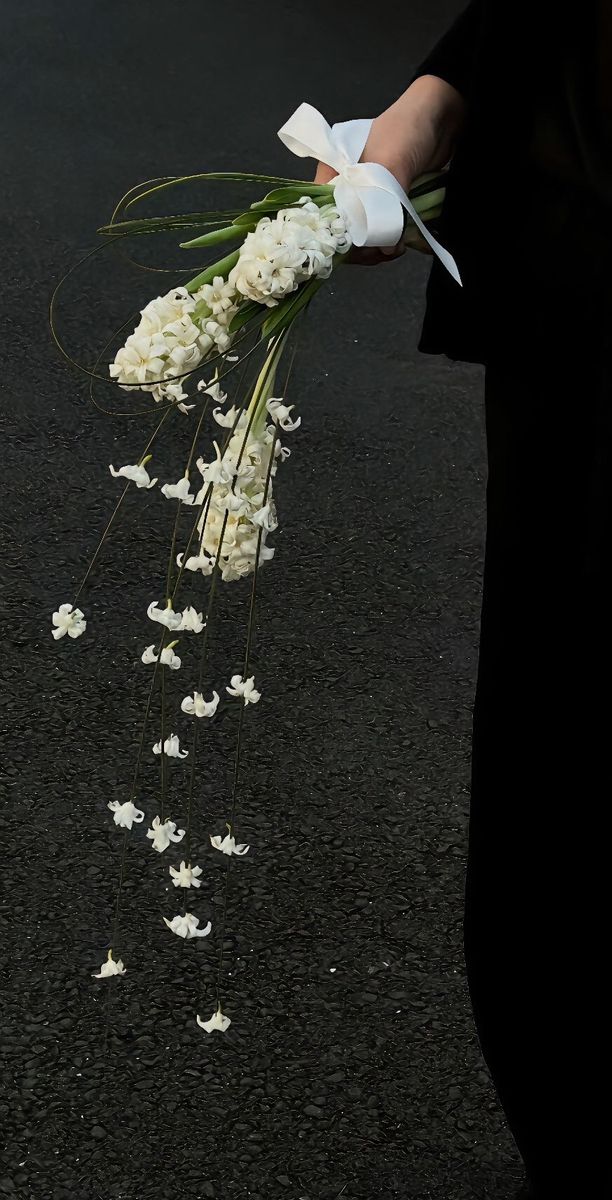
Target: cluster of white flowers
x=284, y=251
x=179, y=330
x=244, y=503
x=175, y=333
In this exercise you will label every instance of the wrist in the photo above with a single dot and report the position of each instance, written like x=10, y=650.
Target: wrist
x=423, y=124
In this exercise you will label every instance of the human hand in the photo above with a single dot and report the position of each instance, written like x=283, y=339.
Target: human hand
x=415, y=135
x=366, y=256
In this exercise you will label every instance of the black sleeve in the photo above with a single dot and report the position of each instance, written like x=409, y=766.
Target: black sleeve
x=453, y=57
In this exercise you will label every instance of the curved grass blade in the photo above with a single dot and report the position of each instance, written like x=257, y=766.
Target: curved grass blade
x=232, y=176
x=206, y=364
x=160, y=224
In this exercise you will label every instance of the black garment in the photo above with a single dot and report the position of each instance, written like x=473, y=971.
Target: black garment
x=537, y=909
x=536, y=905
x=529, y=193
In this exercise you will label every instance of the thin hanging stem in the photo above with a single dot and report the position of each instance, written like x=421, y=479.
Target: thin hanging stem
x=117, y=508
x=157, y=664
x=245, y=671
x=250, y=627
x=163, y=745
x=203, y=513
x=209, y=608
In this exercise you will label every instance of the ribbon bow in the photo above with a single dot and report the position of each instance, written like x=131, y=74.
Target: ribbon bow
x=367, y=195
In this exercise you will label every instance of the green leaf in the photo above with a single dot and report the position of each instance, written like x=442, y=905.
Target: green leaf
x=246, y=311
x=286, y=311
x=227, y=234
x=282, y=197
x=247, y=218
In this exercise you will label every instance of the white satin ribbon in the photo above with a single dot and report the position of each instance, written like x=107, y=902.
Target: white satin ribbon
x=367, y=195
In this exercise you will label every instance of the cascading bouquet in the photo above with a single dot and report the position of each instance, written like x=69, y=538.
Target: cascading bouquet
x=287, y=245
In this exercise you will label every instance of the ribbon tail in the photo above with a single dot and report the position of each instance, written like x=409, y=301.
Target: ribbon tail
x=372, y=177
x=445, y=257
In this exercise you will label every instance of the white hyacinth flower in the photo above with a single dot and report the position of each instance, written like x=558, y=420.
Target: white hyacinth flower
x=68, y=621
x=218, y=295
x=228, y=844
x=266, y=517
x=283, y=251
x=162, y=834
x=197, y=562
x=140, y=360
x=125, y=814
x=166, y=616
x=137, y=473
x=217, y=1021
x=280, y=413
x=217, y=330
x=171, y=747
x=186, y=876
x=229, y=528
x=187, y=926
x=110, y=967
x=213, y=389
x=245, y=688
x=197, y=706
x=167, y=656
x=219, y=471
x=178, y=491
x=191, y=620
x=226, y=418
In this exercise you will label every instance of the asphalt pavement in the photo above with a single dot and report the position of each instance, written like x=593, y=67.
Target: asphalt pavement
x=351, y=1068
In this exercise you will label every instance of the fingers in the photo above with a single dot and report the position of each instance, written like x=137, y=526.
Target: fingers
x=393, y=251
x=372, y=256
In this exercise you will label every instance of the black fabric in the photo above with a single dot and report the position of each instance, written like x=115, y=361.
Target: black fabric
x=537, y=906
x=529, y=189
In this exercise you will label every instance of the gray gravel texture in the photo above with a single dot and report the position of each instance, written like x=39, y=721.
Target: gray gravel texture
x=351, y=1067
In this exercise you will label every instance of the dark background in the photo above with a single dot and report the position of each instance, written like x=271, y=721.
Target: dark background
x=351, y=1066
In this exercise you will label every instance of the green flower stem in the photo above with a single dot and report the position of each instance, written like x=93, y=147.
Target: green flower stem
x=431, y=214
x=264, y=386
x=429, y=200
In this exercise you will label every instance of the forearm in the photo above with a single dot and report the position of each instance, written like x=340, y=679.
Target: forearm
x=419, y=129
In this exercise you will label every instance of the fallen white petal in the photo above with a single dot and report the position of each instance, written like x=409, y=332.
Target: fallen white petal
x=228, y=844
x=125, y=814
x=110, y=967
x=217, y=1021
